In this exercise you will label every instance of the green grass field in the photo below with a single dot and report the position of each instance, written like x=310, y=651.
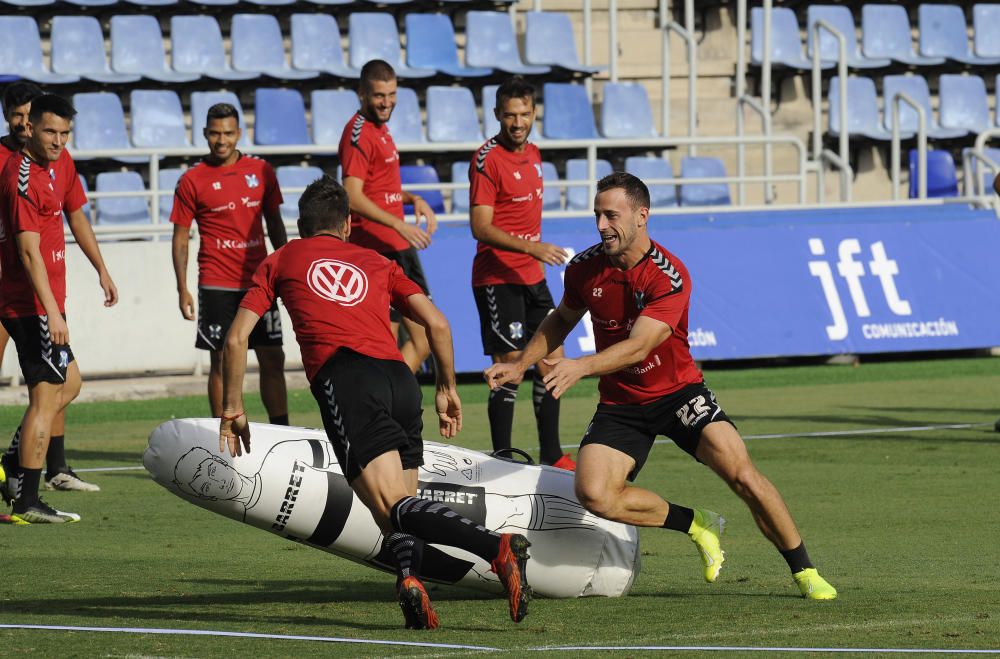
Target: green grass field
x=903, y=523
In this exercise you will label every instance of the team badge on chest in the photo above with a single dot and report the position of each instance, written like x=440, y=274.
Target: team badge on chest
x=252, y=181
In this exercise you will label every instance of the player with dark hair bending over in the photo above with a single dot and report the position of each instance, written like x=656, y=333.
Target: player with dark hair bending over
x=508, y=276
x=638, y=295
x=37, y=186
x=338, y=297
x=370, y=165
x=228, y=193
x=17, y=98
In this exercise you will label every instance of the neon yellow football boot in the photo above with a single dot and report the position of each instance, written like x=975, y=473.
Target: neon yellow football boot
x=814, y=587
x=706, y=532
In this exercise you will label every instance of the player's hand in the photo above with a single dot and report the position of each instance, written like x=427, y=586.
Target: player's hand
x=186, y=304
x=548, y=253
x=564, y=374
x=423, y=210
x=58, y=329
x=500, y=374
x=110, y=290
x=449, y=411
x=234, y=434
x=414, y=235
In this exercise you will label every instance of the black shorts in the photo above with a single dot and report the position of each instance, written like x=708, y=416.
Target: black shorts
x=409, y=261
x=369, y=407
x=217, y=308
x=631, y=429
x=509, y=314
x=40, y=359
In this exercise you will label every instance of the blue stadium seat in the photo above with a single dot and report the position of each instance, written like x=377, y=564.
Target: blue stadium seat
x=886, y=32
x=578, y=196
x=78, y=49
x=942, y=179
x=944, y=33
x=374, y=35
x=568, y=114
x=649, y=167
x=490, y=124
x=280, y=117
x=271, y=3
x=553, y=193
x=422, y=174
x=294, y=176
x=21, y=52
x=626, y=112
x=100, y=124
x=916, y=87
x=840, y=17
x=331, y=110
x=704, y=194
x=490, y=42
x=144, y=3
x=168, y=182
x=30, y=3
x=460, y=197
x=405, y=124
x=218, y=3
x=786, y=44
x=963, y=103
x=986, y=30
x=197, y=48
x=452, y=116
x=548, y=41
x=862, y=110
x=257, y=45
x=93, y=3
x=326, y=3
x=121, y=210
x=137, y=47
x=430, y=44
x=316, y=46
x=157, y=119
x=200, y=102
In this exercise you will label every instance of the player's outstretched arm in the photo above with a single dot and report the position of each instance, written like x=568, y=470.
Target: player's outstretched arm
x=85, y=238
x=233, y=428
x=550, y=335
x=368, y=209
x=449, y=407
x=179, y=252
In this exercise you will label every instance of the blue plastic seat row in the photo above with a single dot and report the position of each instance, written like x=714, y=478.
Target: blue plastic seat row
x=219, y=3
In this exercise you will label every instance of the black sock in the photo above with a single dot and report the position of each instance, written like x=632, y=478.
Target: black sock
x=408, y=551
x=435, y=523
x=279, y=420
x=55, y=456
x=679, y=518
x=547, y=419
x=797, y=559
x=15, y=443
x=28, y=496
x=500, y=409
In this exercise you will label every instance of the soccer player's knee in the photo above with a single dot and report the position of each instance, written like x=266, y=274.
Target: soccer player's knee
x=745, y=479
x=595, y=497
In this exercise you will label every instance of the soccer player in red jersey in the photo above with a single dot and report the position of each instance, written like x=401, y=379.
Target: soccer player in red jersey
x=37, y=186
x=638, y=295
x=508, y=276
x=338, y=296
x=370, y=165
x=227, y=194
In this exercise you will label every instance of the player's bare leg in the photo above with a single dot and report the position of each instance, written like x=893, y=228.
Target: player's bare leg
x=58, y=474
x=273, y=390
x=547, y=416
x=215, y=382
x=416, y=350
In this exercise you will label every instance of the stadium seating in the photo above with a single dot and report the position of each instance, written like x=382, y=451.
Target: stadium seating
x=840, y=17
x=294, y=177
x=862, y=115
x=373, y=35
x=963, y=103
x=942, y=180
x=916, y=87
x=121, y=210
x=405, y=124
x=316, y=46
x=786, y=44
x=21, y=52
x=200, y=102
x=329, y=3
x=168, y=182
x=100, y=124
x=452, y=116
x=270, y=3
x=77, y=44
x=137, y=47
x=568, y=114
x=578, y=196
x=647, y=167
x=218, y=3
x=259, y=47
x=885, y=32
x=490, y=42
x=92, y=3
x=944, y=33
x=986, y=30
x=331, y=110
x=703, y=194
x=460, y=197
x=548, y=40
x=625, y=111
x=157, y=119
x=490, y=124
x=197, y=48
x=422, y=174
x=30, y=3
x=280, y=117
x=430, y=44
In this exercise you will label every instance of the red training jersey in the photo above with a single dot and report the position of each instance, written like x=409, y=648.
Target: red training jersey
x=6, y=151
x=228, y=202
x=511, y=183
x=337, y=295
x=659, y=287
x=33, y=197
x=367, y=152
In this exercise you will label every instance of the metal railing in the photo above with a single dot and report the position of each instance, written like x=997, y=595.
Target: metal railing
x=897, y=100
